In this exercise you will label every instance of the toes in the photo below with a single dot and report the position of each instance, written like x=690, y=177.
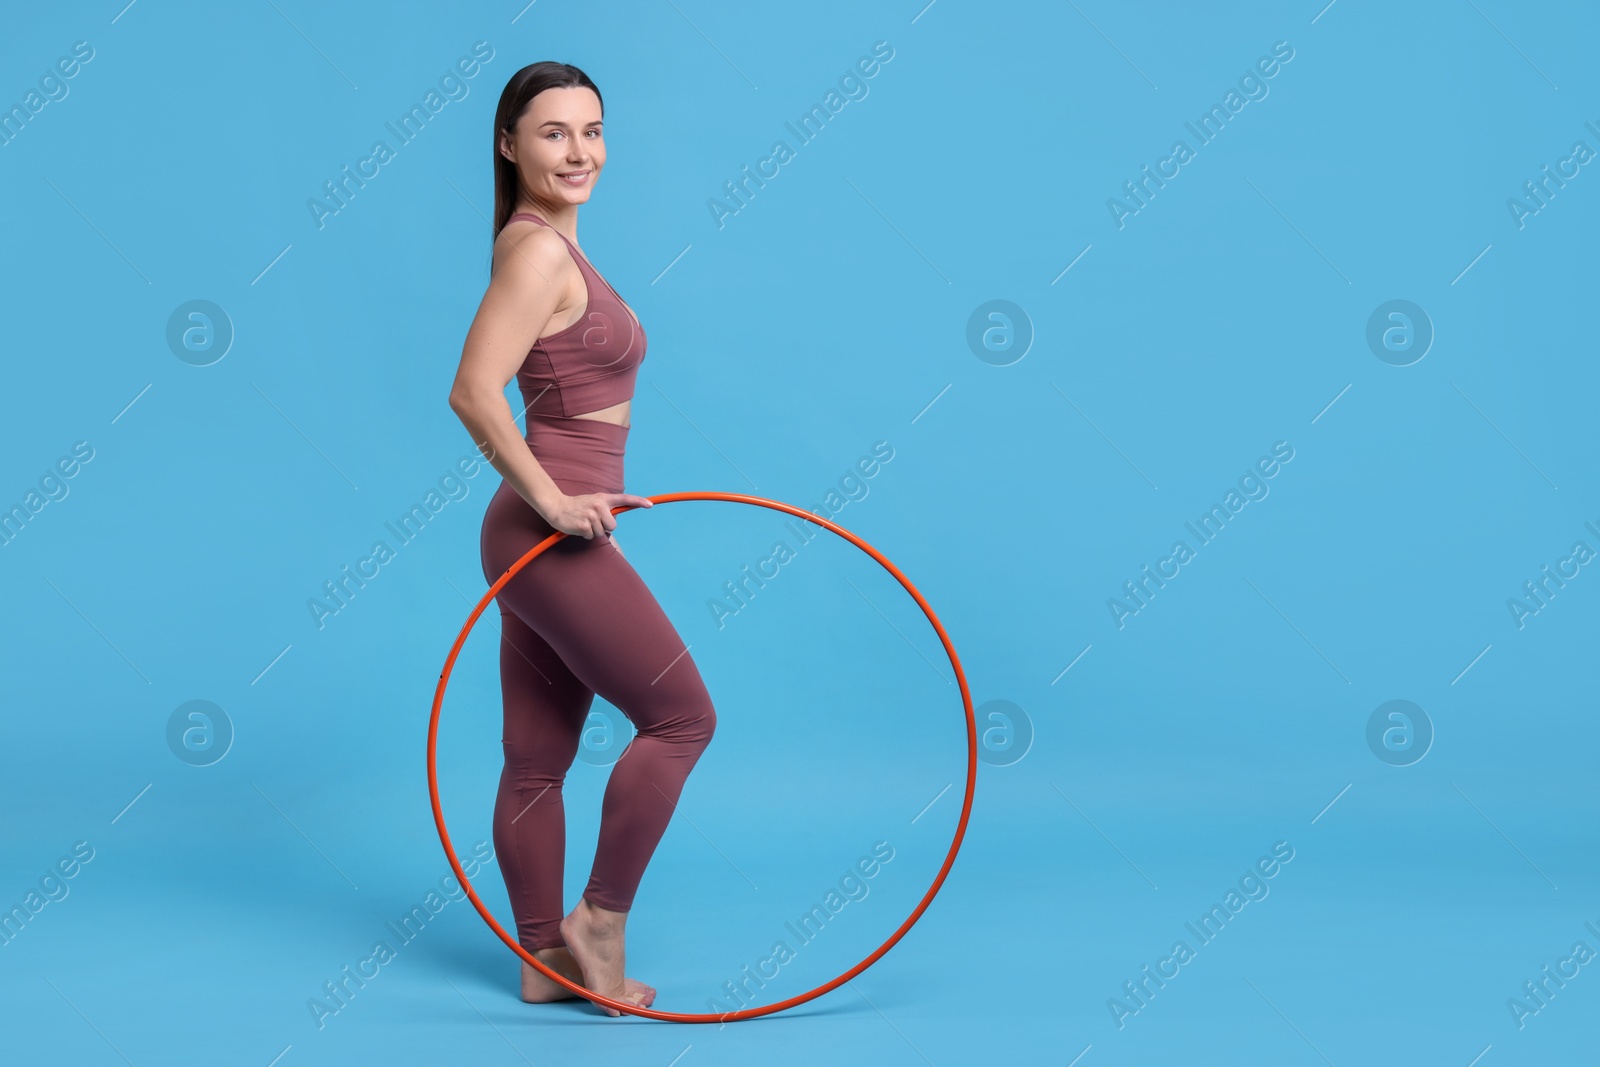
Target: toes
x=635, y=999
x=640, y=989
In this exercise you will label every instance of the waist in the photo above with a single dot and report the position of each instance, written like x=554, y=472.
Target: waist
x=586, y=451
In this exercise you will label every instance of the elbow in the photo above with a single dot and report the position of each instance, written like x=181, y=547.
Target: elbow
x=476, y=399
x=463, y=401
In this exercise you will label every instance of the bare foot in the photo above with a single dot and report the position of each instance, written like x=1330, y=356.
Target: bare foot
x=595, y=937
x=537, y=989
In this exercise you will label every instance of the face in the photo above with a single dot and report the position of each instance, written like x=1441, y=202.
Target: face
x=558, y=145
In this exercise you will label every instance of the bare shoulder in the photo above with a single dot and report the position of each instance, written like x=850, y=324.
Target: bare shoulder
x=529, y=258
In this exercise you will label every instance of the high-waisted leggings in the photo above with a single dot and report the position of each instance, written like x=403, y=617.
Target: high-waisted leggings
x=575, y=622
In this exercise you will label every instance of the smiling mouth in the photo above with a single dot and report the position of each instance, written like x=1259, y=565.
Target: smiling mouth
x=575, y=178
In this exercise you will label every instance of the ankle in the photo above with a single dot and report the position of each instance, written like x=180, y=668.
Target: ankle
x=594, y=922
x=558, y=959
x=596, y=916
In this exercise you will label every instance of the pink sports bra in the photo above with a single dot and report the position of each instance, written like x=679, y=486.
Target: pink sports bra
x=591, y=364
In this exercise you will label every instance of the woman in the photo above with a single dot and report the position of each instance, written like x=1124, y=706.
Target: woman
x=578, y=620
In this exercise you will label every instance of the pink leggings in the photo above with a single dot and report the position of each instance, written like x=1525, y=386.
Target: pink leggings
x=575, y=622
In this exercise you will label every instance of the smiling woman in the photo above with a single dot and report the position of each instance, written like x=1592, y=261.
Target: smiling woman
x=581, y=623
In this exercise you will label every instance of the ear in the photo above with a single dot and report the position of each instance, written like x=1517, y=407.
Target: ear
x=506, y=148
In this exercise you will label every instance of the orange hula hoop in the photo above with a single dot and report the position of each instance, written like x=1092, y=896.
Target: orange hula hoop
x=742, y=1013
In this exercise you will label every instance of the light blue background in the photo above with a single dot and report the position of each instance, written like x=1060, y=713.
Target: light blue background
x=830, y=312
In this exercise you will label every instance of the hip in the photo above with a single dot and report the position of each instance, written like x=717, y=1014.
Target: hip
x=581, y=456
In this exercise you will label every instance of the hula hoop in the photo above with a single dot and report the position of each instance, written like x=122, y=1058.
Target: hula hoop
x=742, y=1013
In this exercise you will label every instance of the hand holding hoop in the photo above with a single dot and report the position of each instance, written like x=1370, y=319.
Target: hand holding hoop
x=591, y=514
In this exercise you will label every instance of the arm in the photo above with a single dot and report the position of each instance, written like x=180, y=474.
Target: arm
x=523, y=292
x=522, y=296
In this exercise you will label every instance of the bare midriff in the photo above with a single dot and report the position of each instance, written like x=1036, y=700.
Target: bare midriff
x=616, y=413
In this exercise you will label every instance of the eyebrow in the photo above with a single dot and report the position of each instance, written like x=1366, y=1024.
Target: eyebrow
x=563, y=125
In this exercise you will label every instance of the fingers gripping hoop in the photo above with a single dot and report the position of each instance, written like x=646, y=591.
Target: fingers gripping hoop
x=743, y=1013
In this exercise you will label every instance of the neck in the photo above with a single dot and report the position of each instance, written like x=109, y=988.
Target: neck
x=563, y=217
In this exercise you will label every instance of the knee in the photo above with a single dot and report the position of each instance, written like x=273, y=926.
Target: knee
x=536, y=766
x=707, y=723
x=692, y=728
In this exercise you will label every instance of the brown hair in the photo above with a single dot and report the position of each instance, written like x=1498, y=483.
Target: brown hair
x=524, y=85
